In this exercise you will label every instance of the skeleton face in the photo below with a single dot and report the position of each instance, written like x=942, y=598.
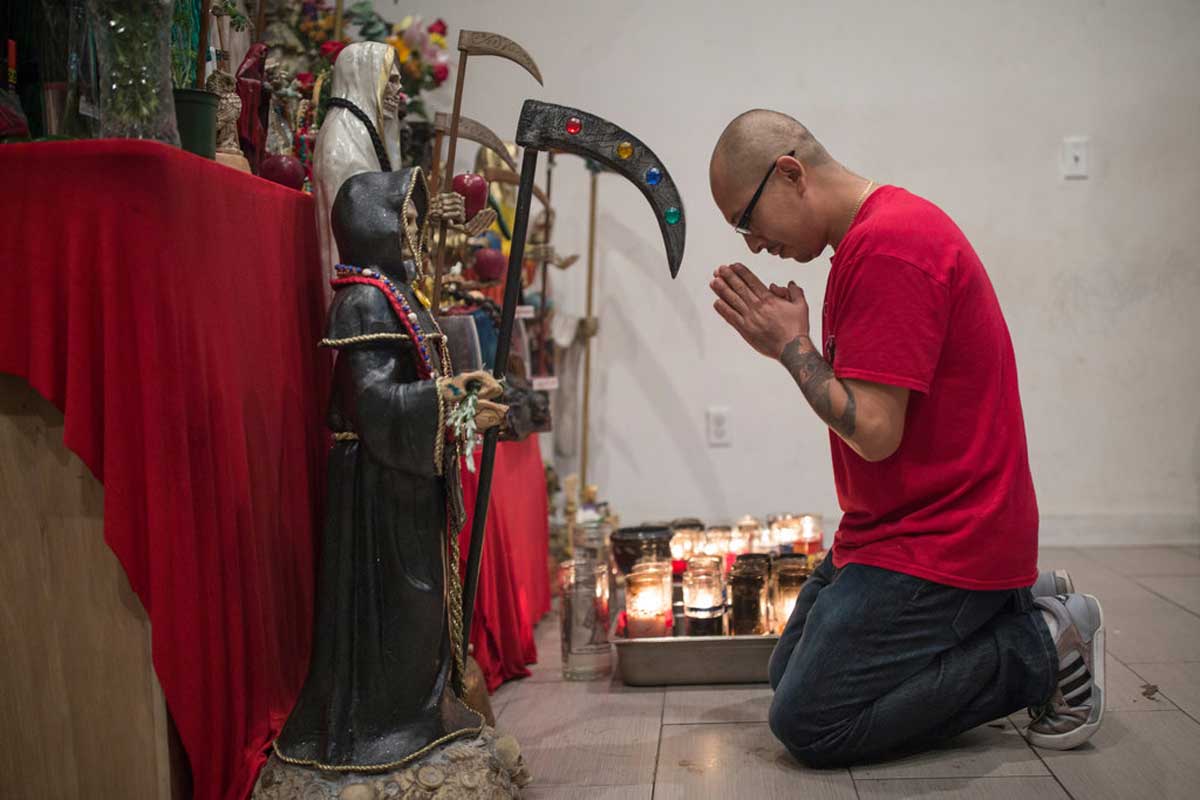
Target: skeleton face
x=391, y=93
x=411, y=232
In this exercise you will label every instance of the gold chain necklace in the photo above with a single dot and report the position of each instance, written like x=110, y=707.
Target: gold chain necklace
x=861, y=198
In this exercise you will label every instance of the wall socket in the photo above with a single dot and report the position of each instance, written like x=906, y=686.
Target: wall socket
x=717, y=420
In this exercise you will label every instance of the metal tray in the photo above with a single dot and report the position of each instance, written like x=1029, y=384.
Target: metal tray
x=674, y=660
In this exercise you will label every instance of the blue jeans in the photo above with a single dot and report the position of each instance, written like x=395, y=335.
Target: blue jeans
x=873, y=662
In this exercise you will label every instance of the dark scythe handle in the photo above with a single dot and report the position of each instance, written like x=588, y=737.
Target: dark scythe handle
x=512, y=293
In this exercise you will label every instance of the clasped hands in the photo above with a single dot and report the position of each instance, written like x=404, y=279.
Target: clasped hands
x=767, y=317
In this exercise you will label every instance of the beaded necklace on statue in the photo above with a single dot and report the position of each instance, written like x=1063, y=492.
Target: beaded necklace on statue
x=348, y=274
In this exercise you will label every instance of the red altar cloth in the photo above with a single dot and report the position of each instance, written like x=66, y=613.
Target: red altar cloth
x=170, y=307
x=514, y=584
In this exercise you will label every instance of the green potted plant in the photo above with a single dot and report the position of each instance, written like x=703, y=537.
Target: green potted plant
x=195, y=106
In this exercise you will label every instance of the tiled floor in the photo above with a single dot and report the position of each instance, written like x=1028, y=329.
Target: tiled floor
x=587, y=741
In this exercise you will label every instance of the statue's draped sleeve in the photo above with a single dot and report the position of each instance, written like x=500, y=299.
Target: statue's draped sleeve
x=377, y=393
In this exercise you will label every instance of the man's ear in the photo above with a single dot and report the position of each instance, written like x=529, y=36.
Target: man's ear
x=793, y=171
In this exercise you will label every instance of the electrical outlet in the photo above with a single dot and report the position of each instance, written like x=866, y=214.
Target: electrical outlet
x=1075, y=157
x=719, y=434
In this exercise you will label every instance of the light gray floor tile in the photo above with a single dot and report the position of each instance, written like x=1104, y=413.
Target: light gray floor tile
x=1133, y=755
x=1144, y=561
x=1140, y=625
x=1180, y=683
x=1183, y=590
x=1128, y=691
x=586, y=734
x=991, y=750
x=738, y=761
x=537, y=792
x=963, y=789
x=739, y=703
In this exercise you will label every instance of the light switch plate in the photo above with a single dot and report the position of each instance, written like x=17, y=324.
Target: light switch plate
x=1075, y=157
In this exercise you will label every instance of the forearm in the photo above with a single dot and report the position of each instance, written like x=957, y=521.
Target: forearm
x=831, y=399
x=842, y=405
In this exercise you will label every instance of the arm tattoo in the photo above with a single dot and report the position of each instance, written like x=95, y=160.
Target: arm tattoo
x=813, y=375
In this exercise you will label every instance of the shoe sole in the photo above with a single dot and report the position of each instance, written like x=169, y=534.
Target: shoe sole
x=1072, y=739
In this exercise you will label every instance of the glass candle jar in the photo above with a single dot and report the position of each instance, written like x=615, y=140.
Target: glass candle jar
x=748, y=598
x=583, y=614
x=704, y=602
x=687, y=538
x=704, y=563
x=790, y=574
x=785, y=532
x=716, y=540
x=812, y=534
x=647, y=603
x=755, y=534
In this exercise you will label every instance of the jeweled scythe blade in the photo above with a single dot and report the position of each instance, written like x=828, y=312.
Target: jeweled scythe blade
x=545, y=126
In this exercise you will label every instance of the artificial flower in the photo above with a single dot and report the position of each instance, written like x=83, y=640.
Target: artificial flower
x=306, y=80
x=415, y=37
x=438, y=28
x=331, y=49
x=440, y=73
x=438, y=39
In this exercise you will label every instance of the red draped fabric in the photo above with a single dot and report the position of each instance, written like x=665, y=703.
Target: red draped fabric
x=170, y=307
x=514, y=583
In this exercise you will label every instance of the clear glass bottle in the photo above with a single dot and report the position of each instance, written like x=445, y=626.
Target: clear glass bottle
x=583, y=614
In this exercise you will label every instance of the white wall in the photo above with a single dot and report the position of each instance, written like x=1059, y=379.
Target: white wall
x=965, y=103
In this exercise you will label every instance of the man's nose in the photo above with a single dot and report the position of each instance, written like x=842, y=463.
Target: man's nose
x=755, y=244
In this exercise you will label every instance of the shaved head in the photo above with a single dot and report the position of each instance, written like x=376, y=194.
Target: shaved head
x=753, y=140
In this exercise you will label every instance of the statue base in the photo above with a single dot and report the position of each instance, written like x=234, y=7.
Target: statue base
x=235, y=160
x=488, y=766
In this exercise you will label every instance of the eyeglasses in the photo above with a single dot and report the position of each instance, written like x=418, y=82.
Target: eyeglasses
x=743, y=224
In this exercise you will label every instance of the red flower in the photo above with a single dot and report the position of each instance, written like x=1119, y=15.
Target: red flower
x=440, y=73
x=306, y=80
x=437, y=26
x=331, y=49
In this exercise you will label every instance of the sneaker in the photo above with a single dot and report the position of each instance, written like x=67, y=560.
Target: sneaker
x=1050, y=583
x=1073, y=712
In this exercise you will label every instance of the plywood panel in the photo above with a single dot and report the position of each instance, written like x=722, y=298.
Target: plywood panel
x=81, y=713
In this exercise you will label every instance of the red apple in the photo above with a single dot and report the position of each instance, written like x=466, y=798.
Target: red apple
x=490, y=264
x=286, y=170
x=474, y=189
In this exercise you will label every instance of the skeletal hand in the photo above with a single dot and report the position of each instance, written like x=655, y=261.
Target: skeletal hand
x=489, y=414
x=479, y=223
x=448, y=206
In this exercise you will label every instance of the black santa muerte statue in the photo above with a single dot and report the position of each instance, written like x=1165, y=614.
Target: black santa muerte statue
x=381, y=714
x=383, y=690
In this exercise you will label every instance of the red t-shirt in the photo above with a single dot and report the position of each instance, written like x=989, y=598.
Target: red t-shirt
x=908, y=303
